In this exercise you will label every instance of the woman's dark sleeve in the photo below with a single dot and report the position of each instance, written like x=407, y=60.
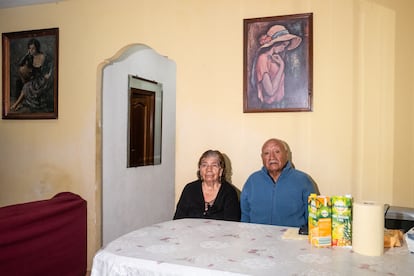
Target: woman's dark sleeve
x=47, y=66
x=181, y=210
x=232, y=205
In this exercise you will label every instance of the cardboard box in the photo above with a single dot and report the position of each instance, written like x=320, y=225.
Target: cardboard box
x=320, y=220
x=341, y=220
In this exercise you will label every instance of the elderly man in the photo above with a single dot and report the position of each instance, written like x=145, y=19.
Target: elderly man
x=278, y=193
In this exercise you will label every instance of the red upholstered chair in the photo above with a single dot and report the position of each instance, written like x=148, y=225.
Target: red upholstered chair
x=46, y=237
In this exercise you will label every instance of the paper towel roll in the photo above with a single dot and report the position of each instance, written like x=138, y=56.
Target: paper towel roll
x=368, y=228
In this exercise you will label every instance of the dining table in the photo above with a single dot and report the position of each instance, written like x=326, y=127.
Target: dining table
x=200, y=247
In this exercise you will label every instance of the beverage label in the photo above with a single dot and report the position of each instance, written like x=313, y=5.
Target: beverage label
x=320, y=220
x=341, y=220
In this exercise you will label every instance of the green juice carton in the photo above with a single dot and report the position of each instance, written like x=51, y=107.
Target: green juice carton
x=341, y=220
x=320, y=220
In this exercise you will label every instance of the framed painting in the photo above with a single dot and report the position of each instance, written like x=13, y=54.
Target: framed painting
x=277, y=64
x=30, y=74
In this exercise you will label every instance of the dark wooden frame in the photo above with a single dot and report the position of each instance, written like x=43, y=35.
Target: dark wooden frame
x=14, y=47
x=298, y=73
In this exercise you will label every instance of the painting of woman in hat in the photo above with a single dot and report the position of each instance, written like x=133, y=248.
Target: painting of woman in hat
x=277, y=73
x=269, y=68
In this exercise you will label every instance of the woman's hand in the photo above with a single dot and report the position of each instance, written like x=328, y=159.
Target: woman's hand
x=278, y=59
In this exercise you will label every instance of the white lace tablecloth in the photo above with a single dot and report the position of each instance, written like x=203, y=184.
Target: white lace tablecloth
x=212, y=247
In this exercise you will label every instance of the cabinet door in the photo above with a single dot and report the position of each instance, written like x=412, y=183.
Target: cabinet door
x=141, y=129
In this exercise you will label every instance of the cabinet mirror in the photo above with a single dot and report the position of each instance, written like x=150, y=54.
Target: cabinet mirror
x=144, y=122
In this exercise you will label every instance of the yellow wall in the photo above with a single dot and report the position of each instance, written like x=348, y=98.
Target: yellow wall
x=358, y=139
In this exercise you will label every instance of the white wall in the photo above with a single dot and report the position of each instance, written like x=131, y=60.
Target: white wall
x=139, y=196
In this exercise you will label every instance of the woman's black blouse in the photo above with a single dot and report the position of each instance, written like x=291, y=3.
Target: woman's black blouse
x=191, y=204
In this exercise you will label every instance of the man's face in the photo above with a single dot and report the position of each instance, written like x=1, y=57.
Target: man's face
x=274, y=156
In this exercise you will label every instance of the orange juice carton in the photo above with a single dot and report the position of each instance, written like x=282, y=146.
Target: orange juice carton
x=320, y=220
x=341, y=220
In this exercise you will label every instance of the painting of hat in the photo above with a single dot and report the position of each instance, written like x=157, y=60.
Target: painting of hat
x=278, y=33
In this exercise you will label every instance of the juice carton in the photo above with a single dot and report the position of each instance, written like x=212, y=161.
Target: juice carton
x=320, y=220
x=341, y=220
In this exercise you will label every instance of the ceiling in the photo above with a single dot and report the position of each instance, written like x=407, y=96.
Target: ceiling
x=15, y=3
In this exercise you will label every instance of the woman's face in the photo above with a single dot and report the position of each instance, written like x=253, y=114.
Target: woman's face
x=210, y=170
x=280, y=47
x=32, y=49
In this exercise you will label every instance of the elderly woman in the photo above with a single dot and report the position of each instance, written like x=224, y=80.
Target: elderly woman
x=210, y=196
